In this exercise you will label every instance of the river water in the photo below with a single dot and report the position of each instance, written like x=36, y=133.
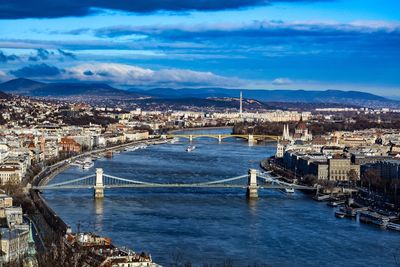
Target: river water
x=217, y=226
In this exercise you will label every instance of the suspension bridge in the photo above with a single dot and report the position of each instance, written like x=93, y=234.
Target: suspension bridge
x=251, y=138
x=99, y=181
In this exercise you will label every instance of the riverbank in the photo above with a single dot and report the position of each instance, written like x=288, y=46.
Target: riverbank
x=51, y=227
x=210, y=226
x=348, y=202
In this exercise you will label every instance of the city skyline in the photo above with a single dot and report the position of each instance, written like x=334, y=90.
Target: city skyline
x=313, y=45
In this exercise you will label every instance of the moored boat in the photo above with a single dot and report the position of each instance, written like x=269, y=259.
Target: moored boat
x=322, y=197
x=374, y=218
x=393, y=226
x=336, y=203
x=349, y=211
x=87, y=163
x=289, y=190
x=340, y=214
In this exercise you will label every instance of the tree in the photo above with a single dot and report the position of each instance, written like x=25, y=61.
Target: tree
x=371, y=176
x=352, y=176
x=310, y=179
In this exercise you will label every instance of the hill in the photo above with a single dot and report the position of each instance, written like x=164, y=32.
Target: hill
x=4, y=95
x=95, y=92
x=28, y=87
x=354, y=98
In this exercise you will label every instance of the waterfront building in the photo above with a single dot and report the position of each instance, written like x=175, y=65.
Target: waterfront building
x=301, y=137
x=136, y=135
x=69, y=145
x=388, y=169
x=301, y=132
x=324, y=167
x=340, y=167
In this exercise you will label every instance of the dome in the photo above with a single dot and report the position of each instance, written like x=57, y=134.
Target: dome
x=301, y=125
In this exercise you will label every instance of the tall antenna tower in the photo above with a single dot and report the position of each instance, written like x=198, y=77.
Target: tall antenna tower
x=241, y=104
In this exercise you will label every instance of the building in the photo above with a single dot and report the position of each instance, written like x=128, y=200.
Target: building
x=16, y=242
x=301, y=132
x=336, y=168
x=69, y=145
x=301, y=135
x=10, y=175
x=136, y=135
x=389, y=169
x=340, y=168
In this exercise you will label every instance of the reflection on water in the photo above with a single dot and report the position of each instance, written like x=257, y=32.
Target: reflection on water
x=99, y=206
x=215, y=225
x=252, y=206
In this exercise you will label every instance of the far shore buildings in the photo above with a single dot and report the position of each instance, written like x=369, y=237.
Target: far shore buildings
x=300, y=136
x=303, y=155
x=301, y=132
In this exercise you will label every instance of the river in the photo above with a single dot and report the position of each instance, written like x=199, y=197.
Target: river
x=217, y=225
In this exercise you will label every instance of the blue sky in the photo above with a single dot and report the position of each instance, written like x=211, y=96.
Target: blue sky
x=275, y=44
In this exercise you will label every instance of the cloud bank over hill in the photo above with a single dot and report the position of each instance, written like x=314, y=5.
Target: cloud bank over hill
x=126, y=75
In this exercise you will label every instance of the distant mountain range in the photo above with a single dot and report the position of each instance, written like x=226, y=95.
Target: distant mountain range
x=28, y=87
x=99, y=91
x=353, y=98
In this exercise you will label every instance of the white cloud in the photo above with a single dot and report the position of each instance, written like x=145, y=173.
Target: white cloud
x=282, y=81
x=130, y=75
x=3, y=75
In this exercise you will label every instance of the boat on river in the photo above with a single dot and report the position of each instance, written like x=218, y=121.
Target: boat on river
x=87, y=163
x=349, y=211
x=289, y=190
x=339, y=214
x=190, y=148
x=393, y=226
x=336, y=203
x=373, y=218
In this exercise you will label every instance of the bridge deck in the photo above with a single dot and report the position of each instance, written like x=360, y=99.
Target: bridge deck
x=101, y=181
x=49, y=187
x=223, y=136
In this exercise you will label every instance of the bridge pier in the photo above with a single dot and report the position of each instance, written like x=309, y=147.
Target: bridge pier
x=252, y=188
x=251, y=139
x=190, y=138
x=99, y=186
x=219, y=138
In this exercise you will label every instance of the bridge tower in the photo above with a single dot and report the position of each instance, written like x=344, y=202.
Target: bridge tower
x=252, y=188
x=99, y=186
